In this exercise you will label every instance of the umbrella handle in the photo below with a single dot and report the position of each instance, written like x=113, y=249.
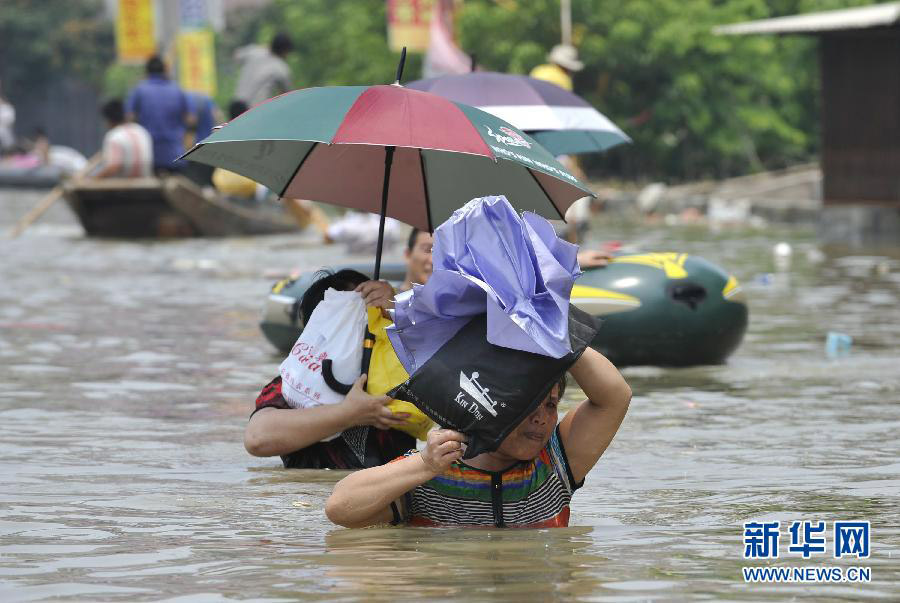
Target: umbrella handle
x=368, y=345
x=400, y=66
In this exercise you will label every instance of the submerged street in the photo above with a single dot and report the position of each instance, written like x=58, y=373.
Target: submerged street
x=128, y=371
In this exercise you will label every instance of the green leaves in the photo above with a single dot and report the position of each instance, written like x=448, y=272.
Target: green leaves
x=696, y=104
x=53, y=39
x=339, y=42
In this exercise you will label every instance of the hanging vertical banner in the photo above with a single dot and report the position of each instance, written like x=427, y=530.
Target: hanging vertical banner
x=443, y=56
x=197, y=61
x=408, y=22
x=135, y=35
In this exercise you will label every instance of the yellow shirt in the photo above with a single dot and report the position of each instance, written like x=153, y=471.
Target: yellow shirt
x=553, y=74
x=230, y=183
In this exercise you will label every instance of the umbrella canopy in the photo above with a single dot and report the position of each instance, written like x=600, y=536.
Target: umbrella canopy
x=427, y=155
x=561, y=121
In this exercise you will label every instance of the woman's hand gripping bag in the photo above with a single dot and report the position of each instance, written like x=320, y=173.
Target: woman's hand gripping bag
x=386, y=373
x=334, y=333
x=484, y=390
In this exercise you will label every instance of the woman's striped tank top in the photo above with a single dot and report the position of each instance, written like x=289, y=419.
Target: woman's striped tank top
x=533, y=494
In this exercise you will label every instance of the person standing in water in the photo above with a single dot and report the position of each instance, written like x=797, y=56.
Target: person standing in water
x=165, y=110
x=527, y=482
x=418, y=259
x=363, y=420
x=294, y=434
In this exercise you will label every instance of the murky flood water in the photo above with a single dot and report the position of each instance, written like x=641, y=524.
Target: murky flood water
x=128, y=370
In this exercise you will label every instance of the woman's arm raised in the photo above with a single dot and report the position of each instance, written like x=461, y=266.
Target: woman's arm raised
x=588, y=430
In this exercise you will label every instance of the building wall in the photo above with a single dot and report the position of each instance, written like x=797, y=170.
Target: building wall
x=861, y=117
x=67, y=110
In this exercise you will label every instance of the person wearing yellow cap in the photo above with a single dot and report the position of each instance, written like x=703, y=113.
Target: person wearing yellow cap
x=562, y=62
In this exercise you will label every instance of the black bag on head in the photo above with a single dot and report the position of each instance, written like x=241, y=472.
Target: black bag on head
x=484, y=390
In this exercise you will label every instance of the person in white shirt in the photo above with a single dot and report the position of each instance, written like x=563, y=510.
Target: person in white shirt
x=7, y=120
x=127, y=147
x=358, y=231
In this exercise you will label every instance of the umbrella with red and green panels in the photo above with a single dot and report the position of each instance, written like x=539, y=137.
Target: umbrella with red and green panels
x=407, y=154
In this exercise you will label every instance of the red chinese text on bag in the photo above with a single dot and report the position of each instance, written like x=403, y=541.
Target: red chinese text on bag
x=334, y=332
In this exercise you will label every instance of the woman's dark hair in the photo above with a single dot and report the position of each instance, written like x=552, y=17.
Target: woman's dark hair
x=411, y=243
x=562, y=385
x=342, y=280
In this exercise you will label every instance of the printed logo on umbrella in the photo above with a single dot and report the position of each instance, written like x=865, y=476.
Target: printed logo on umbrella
x=510, y=138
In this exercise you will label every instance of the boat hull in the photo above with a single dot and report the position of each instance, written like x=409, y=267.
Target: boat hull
x=165, y=207
x=42, y=177
x=664, y=309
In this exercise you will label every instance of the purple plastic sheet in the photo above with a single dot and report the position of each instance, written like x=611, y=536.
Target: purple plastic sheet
x=489, y=259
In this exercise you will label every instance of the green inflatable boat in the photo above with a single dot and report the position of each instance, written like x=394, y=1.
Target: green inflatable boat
x=662, y=309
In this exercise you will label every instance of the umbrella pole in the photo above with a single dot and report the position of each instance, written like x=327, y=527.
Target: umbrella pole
x=369, y=340
x=388, y=160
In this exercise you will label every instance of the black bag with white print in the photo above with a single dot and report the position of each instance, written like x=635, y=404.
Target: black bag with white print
x=484, y=390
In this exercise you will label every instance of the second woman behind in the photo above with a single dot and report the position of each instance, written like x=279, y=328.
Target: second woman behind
x=368, y=437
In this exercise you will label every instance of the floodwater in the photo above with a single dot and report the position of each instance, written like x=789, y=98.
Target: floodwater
x=128, y=370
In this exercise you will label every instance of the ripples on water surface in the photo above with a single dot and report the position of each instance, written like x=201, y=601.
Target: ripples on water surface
x=127, y=372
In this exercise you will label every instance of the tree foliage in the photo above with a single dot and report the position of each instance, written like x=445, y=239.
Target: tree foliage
x=338, y=42
x=696, y=104
x=53, y=39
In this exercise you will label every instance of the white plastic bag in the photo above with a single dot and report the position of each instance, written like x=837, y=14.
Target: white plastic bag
x=335, y=331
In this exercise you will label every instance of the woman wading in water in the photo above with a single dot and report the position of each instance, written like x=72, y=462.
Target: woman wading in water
x=527, y=482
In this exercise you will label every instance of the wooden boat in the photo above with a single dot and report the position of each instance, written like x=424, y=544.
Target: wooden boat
x=171, y=206
x=662, y=309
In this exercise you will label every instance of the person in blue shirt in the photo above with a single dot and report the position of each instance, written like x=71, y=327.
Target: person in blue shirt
x=207, y=116
x=165, y=110
x=206, y=112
